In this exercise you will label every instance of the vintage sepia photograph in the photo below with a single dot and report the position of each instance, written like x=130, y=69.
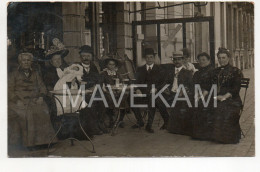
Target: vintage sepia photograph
x=130, y=79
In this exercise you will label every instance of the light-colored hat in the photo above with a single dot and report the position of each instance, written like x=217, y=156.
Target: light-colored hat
x=177, y=54
x=57, y=48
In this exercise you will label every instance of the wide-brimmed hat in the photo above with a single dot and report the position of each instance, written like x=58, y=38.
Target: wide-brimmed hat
x=56, y=49
x=85, y=49
x=117, y=62
x=149, y=51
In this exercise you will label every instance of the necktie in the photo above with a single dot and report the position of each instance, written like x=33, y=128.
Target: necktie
x=175, y=81
x=86, y=69
x=149, y=69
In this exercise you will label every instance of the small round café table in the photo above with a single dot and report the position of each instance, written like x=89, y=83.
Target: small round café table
x=72, y=115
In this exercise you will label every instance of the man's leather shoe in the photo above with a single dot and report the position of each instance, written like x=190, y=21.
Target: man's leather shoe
x=122, y=125
x=137, y=126
x=149, y=129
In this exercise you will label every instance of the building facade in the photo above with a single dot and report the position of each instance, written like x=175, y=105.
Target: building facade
x=108, y=28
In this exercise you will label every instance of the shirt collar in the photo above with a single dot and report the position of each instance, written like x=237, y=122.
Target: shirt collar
x=85, y=66
x=20, y=69
x=26, y=72
x=111, y=72
x=223, y=67
x=151, y=66
x=179, y=68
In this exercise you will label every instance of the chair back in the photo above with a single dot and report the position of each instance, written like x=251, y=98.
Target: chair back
x=244, y=84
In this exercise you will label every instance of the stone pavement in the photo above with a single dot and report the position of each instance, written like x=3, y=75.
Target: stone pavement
x=138, y=143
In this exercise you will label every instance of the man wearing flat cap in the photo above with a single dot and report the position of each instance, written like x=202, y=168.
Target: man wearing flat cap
x=177, y=76
x=148, y=74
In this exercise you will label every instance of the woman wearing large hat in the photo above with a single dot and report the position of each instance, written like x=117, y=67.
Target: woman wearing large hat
x=55, y=55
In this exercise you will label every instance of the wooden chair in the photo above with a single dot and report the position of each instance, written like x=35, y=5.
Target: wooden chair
x=244, y=84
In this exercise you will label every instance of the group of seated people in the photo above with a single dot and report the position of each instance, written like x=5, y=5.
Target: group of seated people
x=32, y=111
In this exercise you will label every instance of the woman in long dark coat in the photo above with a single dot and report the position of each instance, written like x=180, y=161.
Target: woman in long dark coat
x=202, y=118
x=226, y=128
x=28, y=114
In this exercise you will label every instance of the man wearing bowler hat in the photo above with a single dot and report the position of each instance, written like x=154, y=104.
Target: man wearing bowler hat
x=148, y=74
x=90, y=73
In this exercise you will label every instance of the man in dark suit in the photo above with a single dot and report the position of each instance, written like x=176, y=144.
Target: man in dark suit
x=148, y=74
x=90, y=72
x=175, y=77
x=90, y=78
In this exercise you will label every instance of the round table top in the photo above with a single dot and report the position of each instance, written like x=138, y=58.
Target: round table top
x=120, y=86
x=72, y=92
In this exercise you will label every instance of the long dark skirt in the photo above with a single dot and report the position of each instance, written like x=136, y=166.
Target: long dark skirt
x=180, y=120
x=202, y=123
x=203, y=120
x=226, y=128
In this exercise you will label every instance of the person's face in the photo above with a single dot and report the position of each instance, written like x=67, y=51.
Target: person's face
x=86, y=58
x=203, y=61
x=223, y=59
x=25, y=62
x=186, y=59
x=149, y=58
x=178, y=61
x=111, y=65
x=56, y=61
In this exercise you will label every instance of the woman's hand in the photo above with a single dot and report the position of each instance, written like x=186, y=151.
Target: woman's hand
x=221, y=98
x=224, y=97
x=74, y=84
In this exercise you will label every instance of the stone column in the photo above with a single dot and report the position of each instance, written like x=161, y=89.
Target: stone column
x=73, y=14
x=124, y=29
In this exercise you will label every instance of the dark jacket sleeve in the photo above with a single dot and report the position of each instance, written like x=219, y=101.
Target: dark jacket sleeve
x=236, y=82
x=50, y=80
x=160, y=78
x=11, y=87
x=138, y=75
x=189, y=81
x=41, y=85
x=167, y=77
